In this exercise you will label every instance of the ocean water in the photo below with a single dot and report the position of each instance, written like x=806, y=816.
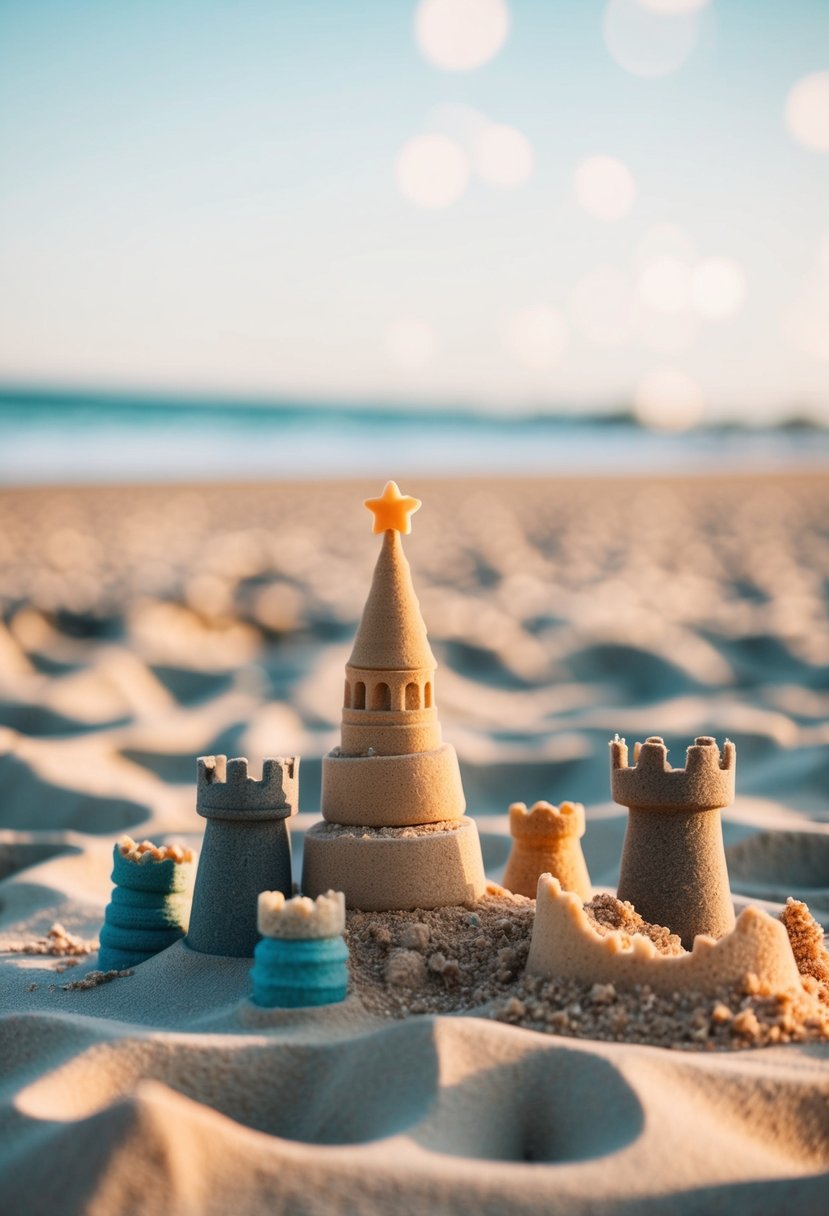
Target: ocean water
x=75, y=438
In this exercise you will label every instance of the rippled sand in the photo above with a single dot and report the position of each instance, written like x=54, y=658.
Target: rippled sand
x=142, y=627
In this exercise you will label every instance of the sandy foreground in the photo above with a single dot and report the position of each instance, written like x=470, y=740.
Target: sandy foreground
x=143, y=627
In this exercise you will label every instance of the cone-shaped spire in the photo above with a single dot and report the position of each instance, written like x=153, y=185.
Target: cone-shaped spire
x=392, y=634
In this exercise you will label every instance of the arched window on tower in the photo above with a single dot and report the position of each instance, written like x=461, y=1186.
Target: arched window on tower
x=381, y=697
x=359, y=695
x=412, y=696
x=427, y=694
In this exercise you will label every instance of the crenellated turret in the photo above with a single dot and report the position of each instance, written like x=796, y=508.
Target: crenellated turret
x=224, y=786
x=706, y=781
x=546, y=840
x=673, y=867
x=246, y=848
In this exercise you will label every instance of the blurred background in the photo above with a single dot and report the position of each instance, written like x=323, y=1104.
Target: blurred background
x=279, y=238
x=581, y=246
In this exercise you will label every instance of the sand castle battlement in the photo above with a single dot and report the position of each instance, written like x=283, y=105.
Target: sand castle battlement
x=673, y=867
x=245, y=850
x=707, y=780
x=566, y=945
x=543, y=819
x=225, y=788
x=545, y=839
x=302, y=959
x=301, y=918
x=144, y=852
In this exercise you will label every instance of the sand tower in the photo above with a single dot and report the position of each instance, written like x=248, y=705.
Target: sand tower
x=246, y=849
x=673, y=862
x=393, y=834
x=546, y=840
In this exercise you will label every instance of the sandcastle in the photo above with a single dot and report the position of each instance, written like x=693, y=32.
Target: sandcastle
x=147, y=911
x=393, y=834
x=246, y=849
x=302, y=958
x=673, y=866
x=545, y=840
x=394, y=837
x=674, y=874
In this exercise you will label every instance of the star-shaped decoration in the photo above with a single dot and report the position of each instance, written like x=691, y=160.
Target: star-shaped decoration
x=393, y=510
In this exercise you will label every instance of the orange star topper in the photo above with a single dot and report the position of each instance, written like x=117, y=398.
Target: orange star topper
x=393, y=510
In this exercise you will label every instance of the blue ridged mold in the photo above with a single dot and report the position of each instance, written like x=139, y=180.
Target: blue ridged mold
x=146, y=913
x=289, y=973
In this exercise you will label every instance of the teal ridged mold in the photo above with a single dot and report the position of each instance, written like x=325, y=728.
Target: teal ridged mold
x=289, y=973
x=146, y=913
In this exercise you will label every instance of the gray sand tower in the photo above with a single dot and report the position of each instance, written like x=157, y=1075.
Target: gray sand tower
x=246, y=849
x=673, y=862
x=393, y=833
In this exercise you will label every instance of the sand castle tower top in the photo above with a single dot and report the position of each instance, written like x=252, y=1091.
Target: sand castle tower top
x=389, y=700
x=392, y=634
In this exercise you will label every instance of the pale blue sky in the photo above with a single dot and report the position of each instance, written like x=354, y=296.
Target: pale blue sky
x=202, y=196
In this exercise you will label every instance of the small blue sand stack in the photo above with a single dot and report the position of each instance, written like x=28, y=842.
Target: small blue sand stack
x=302, y=958
x=148, y=909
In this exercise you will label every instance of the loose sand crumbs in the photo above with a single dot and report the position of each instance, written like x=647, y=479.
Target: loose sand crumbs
x=145, y=851
x=362, y=832
x=454, y=960
x=93, y=979
x=58, y=941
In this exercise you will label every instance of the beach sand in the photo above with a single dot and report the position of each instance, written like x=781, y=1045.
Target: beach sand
x=142, y=627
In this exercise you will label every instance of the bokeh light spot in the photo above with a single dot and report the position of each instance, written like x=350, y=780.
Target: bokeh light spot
x=649, y=40
x=806, y=323
x=604, y=187
x=665, y=240
x=411, y=343
x=667, y=399
x=432, y=171
x=674, y=6
x=502, y=156
x=459, y=35
x=718, y=288
x=807, y=111
x=602, y=307
x=823, y=250
x=665, y=284
x=536, y=337
x=666, y=333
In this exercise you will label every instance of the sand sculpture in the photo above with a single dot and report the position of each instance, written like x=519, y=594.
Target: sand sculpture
x=673, y=866
x=565, y=945
x=302, y=959
x=246, y=849
x=393, y=834
x=148, y=908
x=545, y=840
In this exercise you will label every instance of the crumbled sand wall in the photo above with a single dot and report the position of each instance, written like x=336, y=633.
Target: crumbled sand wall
x=452, y=960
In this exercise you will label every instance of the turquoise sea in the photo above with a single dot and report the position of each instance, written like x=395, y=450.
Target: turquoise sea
x=60, y=438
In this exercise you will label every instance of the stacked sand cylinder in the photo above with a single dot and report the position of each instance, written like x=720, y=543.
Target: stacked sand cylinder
x=246, y=849
x=673, y=866
x=546, y=840
x=393, y=834
x=302, y=959
x=148, y=908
